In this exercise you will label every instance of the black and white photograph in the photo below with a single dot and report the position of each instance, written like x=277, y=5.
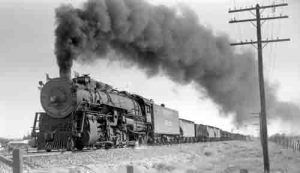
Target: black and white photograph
x=149, y=86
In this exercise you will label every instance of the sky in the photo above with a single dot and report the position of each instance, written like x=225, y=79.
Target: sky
x=27, y=54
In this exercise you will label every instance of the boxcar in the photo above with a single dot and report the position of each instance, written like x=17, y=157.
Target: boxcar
x=166, y=120
x=217, y=133
x=225, y=135
x=187, y=130
x=237, y=136
x=201, y=133
x=211, y=133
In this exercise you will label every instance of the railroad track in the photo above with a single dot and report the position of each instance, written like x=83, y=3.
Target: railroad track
x=32, y=152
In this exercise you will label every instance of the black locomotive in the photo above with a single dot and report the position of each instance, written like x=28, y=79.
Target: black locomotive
x=83, y=112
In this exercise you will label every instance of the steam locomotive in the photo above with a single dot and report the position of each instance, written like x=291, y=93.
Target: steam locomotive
x=83, y=112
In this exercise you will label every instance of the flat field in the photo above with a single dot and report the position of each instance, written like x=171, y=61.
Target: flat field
x=212, y=157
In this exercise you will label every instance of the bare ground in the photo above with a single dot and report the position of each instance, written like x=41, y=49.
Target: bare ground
x=213, y=157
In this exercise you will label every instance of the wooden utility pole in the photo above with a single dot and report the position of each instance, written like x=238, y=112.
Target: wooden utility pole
x=259, y=46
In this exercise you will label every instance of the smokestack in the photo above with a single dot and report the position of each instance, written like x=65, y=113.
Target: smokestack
x=160, y=39
x=65, y=74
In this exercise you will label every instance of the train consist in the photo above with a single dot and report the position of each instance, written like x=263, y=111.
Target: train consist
x=83, y=112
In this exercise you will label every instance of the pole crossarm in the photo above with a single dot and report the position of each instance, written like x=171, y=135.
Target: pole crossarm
x=255, y=42
x=254, y=8
x=264, y=19
x=241, y=10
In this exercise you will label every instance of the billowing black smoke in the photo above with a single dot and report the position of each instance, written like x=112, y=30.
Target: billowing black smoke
x=161, y=39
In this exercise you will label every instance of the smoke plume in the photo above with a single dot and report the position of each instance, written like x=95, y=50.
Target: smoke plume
x=160, y=39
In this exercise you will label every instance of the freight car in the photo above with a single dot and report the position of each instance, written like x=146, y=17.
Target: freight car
x=212, y=133
x=187, y=130
x=165, y=124
x=225, y=136
x=201, y=133
x=83, y=112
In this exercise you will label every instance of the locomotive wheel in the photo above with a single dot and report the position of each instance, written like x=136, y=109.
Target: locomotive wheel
x=78, y=145
x=118, y=141
x=142, y=140
x=48, y=147
x=107, y=146
x=70, y=144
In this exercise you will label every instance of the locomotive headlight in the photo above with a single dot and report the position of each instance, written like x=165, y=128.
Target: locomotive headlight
x=53, y=99
x=58, y=95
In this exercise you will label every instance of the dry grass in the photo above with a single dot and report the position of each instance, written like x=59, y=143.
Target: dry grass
x=214, y=157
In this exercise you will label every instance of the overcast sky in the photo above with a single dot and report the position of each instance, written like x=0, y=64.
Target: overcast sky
x=27, y=53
